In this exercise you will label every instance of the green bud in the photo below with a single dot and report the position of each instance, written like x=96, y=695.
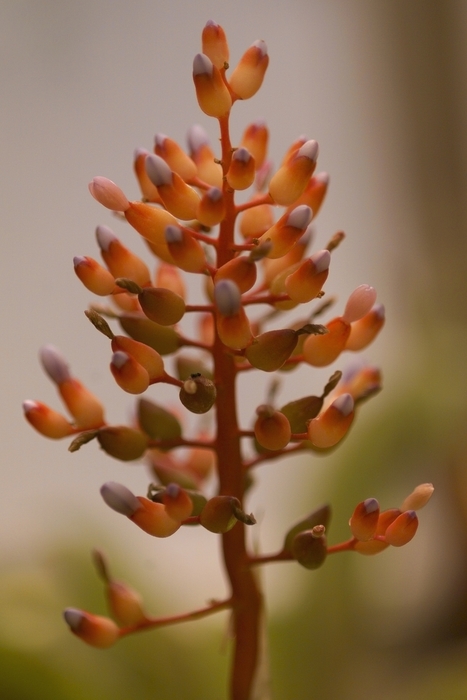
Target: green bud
x=198, y=394
x=299, y=412
x=164, y=339
x=270, y=350
x=122, y=442
x=157, y=422
x=320, y=516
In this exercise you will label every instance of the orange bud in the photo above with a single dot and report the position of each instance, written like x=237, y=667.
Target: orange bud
x=177, y=502
x=86, y=409
x=333, y=424
x=402, y=529
x=248, y=75
x=241, y=270
x=148, y=190
x=200, y=462
x=154, y=519
x=121, y=261
x=168, y=276
x=218, y=515
x=256, y=220
x=128, y=373
x=185, y=250
x=125, y=604
x=108, y=194
x=46, y=421
x=179, y=199
x=94, y=277
x=273, y=268
x=365, y=330
x=175, y=157
x=232, y=322
x=100, y=632
x=364, y=520
x=272, y=428
x=287, y=231
x=290, y=181
x=418, y=498
x=214, y=44
x=201, y=153
x=270, y=350
x=212, y=93
x=241, y=172
x=151, y=222
x=314, y=193
x=161, y=305
x=359, y=303
x=293, y=148
x=373, y=546
x=305, y=283
x=211, y=208
x=255, y=140
x=362, y=383
x=321, y=350
x=122, y=442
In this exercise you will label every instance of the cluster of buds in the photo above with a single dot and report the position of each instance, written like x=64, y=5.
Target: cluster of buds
x=249, y=255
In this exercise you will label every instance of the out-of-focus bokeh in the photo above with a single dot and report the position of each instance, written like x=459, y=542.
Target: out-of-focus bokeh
x=382, y=87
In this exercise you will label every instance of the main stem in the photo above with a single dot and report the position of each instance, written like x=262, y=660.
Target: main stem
x=246, y=597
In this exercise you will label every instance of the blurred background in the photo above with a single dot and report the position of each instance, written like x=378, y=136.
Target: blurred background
x=382, y=87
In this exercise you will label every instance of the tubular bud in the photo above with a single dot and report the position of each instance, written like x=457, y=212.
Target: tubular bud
x=255, y=140
x=86, y=409
x=234, y=330
x=122, y=442
x=200, y=462
x=272, y=428
x=201, y=153
x=364, y=520
x=179, y=199
x=365, y=330
x=108, y=194
x=212, y=93
x=321, y=350
x=148, y=190
x=146, y=356
x=418, y=498
x=359, y=303
x=214, y=44
x=185, y=250
x=290, y=181
x=163, y=339
x=211, y=208
x=362, y=383
x=306, y=282
x=248, y=75
x=240, y=270
x=402, y=529
x=333, y=424
x=287, y=231
x=93, y=275
x=217, y=515
x=168, y=276
x=309, y=550
x=256, y=220
x=119, y=498
x=125, y=604
x=270, y=350
x=121, y=261
x=198, y=394
x=54, y=364
x=128, y=373
x=151, y=222
x=177, y=502
x=315, y=192
x=46, y=421
x=161, y=305
x=241, y=172
x=175, y=157
x=97, y=631
x=154, y=519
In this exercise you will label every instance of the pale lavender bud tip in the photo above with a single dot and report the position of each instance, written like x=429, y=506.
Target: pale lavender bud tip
x=158, y=171
x=173, y=234
x=202, y=65
x=119, y=359
x=196, y=137
x=344, y=404
x=227, y=297
x=172, y=490
x=379, y=310
x=242, y=154
x=214, y=194
x=29, y=405
x=310, y=150
x=321, y=260
x=78, y=259
x=119, y=498
x=105, y=236
x=159, y=139
x=306, y=237
x=211, y=23
x=54, y=364
x=300, y=217
x=371, y=505
x=322, y=177
x=140, y=152
x=261, y=46
x=73, y=618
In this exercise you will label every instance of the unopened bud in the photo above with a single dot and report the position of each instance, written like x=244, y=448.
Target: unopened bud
x=161, y=305
x=418, y=498
x=212, y=93
x=185, y=250
x=119, y=498
x=94, y=277
x=255, y=139
x=290, y=181
x=211, y=208
x=359, y=303
x=241, y=172
x=364, y=520
x=177, y=502
x=271, y=349
x=95, y=630
x=201, y=153
x=46, y=421
x=287, y=230
x=164, y=339
x=148, y=189
x=248, y=75
x=149, y=358
x=309, y=549
x=272, y=429
x=241, y=270
x=306, y=282
x=333, y=424
x=198, y=394
x=214, y=44
x=256, y=220
x=175, y=157
x=365, y=330
x=128, y=373
x=121, y=261
x=179, y=199
x=321, y=350
x=315, y=192
x=402, y=530
x=108, y=194
x=122, y=442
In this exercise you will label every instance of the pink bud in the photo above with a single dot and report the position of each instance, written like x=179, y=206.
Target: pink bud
x=108, y=194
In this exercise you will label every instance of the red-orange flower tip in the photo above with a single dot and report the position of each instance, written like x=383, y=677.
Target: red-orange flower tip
x=359, y=303
x=119, y=498
x=100, y=632
x=108, y=194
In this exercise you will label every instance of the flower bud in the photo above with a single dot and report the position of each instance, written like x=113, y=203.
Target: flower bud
x=211, y=208
x=270, y=350
x=175, y=157
x=125, y=604
x=306, y=282
x=119, y=498
x=177, y=502
x=418, y=498
x=255, y=140
x=375, y=546
x=201, y=153
x=86, y=409
x=272, y=429
x=100, y=632
x=164, y=339
x=248, y=75
x=122, y=442
x=321, y=350
x=241, y=172
x=256, y=220
x=200, y=462
x=46, y=421
x=121, y=261
x=161, y=305
x=151, y=222
x=154, y=519
x=185, y=250
x=359, y=303
x=314, y=193
x=232, y=322
x=179, y=199
x=217, y=515
x=402, y=529
x=301, y=411
x=198, y=394
x=287, y=231
x=128, y=373
x=148, y=189
x=211, y=91
x=157, y=422
x=149, y=358
x=310, y=551
x=241, y=270
x=214, y=44
x=290, y=181
x=365, y=330
x=332, y=425
x=169, y=277
x=364, y=520
x=108, y=194
x=94, y=277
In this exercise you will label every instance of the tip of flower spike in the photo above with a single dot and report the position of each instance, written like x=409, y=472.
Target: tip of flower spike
x=227, y=297
x=73, y=618
x=344, y=404
x=158, y=171
x=119, y=498
x=108, y=194
x=202, y=65
x=196, y=138
x=54, y=364
x=310, y=149
x=300, y=217
x=105, y=236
